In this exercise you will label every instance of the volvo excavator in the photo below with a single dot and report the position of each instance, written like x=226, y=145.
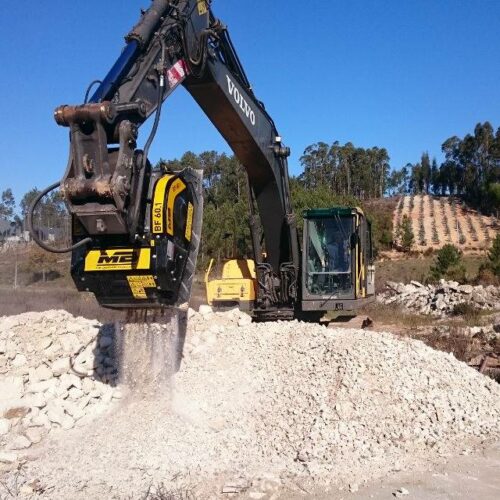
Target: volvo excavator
x=136, y=230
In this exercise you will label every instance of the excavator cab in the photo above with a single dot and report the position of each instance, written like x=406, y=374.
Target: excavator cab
x=337, y=266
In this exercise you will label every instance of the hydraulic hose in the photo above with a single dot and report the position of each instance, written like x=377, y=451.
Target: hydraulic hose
x=159, y=105
x=35, y=237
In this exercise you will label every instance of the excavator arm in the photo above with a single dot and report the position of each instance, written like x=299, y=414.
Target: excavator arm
x=136, y=231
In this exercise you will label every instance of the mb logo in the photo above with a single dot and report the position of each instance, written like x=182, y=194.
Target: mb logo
x=123, y=259
x=118, y=257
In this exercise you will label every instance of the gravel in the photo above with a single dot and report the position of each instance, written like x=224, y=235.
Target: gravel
x=253, y=408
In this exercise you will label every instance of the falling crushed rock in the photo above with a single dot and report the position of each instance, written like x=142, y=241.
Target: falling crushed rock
x=251, y=407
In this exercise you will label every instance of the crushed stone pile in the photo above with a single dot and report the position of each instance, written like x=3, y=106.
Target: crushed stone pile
x=440, y=299
x=56, y=372
x=259, y=407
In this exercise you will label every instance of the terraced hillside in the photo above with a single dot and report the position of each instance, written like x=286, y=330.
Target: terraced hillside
x=438, y=220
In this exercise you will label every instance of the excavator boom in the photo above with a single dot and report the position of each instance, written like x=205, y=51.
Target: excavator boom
x=136, y=230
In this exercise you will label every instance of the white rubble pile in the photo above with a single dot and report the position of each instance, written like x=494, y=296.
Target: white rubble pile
x=489, y=333
x=259, y=406
x=56, y=372
x=440, y=299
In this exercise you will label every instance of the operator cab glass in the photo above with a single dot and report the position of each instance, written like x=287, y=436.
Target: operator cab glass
x=337, y=271
x=329, y=259
x=329, y=255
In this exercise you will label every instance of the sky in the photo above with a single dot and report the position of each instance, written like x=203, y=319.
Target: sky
x=399, y=74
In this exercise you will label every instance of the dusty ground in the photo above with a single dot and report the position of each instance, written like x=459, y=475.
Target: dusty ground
x=475, y=475
x=467, y=476
x=264, y=411
x=463, y=477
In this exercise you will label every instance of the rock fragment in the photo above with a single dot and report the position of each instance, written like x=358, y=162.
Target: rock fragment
x=401, y=492
x=61, y=366
x=40, y=374
x=19, y=443
x=4, y=426
x=11, y=388
x=205, y=310
x=19, y=360
x=34, y=434
x=7, y=457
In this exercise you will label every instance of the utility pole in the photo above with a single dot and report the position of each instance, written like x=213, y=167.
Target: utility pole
x=15, y=268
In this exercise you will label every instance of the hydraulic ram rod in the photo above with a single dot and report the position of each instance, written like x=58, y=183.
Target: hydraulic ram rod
x=137, y=40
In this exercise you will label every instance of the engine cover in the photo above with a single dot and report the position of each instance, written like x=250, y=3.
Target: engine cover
x=155, y=268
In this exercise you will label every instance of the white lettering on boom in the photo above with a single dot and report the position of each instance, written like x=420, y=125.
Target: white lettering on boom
x=240, y=100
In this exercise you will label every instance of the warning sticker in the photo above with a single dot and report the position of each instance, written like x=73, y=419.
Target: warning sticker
x=189, y=223
x=175, y=190
x=176, y=74
x=202, y=7
x=158, y=204
x=138, y=285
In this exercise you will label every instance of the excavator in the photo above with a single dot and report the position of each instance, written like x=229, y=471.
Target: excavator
x=136, y=229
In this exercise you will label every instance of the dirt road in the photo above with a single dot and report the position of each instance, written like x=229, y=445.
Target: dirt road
x=464, y=477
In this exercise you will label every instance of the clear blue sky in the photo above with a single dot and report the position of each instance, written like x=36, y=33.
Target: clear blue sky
x=400, y=74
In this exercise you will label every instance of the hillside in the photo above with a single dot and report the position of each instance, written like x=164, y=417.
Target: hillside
x=438, y=220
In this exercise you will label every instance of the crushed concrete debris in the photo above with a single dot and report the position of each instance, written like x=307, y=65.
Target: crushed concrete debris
x=440, y=299
x=53, y=385
x=268, y=403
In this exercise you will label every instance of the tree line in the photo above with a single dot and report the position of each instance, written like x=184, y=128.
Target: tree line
x=471, y=170
x=332, y=174
x=346, y=170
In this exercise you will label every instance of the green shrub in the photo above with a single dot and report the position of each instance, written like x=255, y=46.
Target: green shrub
x=489, y=271
x=486, y=276
x=456, y=273
x=406, y=236
x=470, y=313
x=448, y=264
x=494, y=256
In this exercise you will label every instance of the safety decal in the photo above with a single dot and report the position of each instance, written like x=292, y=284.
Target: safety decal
x=138, y=285
x=189, y=221
x=176, y=74
x=202, y=7
x=123, y=259
x=158, y=210
x=174, y=191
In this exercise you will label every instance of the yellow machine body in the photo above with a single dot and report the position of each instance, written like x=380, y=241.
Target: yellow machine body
x=236, y=285
x=156, y=270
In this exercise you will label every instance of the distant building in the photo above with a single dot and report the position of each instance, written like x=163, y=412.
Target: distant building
x=12, y=231
x=4, y=228
x=8, y=229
